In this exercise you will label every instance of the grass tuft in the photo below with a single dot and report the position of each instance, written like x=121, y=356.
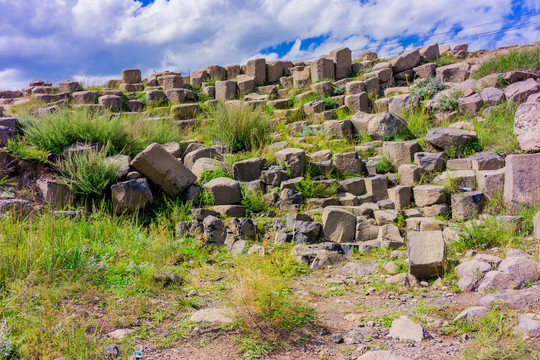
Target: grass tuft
x=523, y=59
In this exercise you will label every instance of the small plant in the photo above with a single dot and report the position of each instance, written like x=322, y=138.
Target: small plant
x=428, y=87
x=446, y=59
x=338, y=90
x=465, y=150
x=523, y=59
x=87, y=173
x=212, y=81
x=310, y=189
x=253, y=201
x=364, y=137
x=383, y=166
x=330, y=103
x=240, y=126
x=449, y=102
x=207, y=176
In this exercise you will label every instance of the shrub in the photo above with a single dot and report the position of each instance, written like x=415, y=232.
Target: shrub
x=524, y=59
x=426, y=88
x=449, y=102
x=241, y=127
x=126, y=134
x=383, y=166
x=310, y=189
x=253, y=201
x=87, y=173
x=330, y=103
x=338, y=90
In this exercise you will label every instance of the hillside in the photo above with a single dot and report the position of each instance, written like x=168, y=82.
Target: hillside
x=339, y=209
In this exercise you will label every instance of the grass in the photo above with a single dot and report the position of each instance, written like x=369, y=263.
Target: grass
x=522, y=59
x=253, y=201
x=497, y=131
x=127, y=135
x=419, y=121
x=87, y=173
x=383, y=166
x=446, y=59
x=240, y=127
x=309, y=189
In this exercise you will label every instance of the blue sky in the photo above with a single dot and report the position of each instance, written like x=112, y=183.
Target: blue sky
x=93, y=40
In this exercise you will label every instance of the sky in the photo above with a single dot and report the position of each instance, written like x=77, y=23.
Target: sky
x=93, y=40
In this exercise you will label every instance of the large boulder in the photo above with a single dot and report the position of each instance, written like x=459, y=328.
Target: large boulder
x=427, y=253
x=527, y=126
x=338, y=225
x=521, y=186
x=400, y=153
x=466, y=205
x=163, y=169
x=342, y=59
x=57, y=194
x=385, y=125
x=248, y=170
x=131, y=195
x=445, y=137
x=294, y=160
x=405, y=61
x=453, y=73
x=519, y=92
x=224, y=191
x=427, y=195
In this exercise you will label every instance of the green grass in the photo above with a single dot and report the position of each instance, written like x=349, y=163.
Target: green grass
x=87, y=173
x=497, y=131
x=126, y=134
x=383, y=166
x=309, y=189
x=419, y=121
x=253, y=201
x=240, y=127
x=446, y=59
x=523, y=59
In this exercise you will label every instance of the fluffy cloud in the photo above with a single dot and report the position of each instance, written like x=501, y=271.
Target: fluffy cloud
x=60, y=39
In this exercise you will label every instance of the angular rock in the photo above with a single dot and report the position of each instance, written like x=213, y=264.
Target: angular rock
x=404, y=328
x=453, y=73
x=294, y=160
x=519, y=92
x=446, y=137
x=385, y=125
x=322, y=69
x=427, y=253
x=521, y=184
x=163, y=169
x=224, y=191
x=348, y=163
x=131, y=195
x=400, y=153
x=466, y=205
x=55, y=193
x=427, y=195
x=338, y=225
x=377, y=186
x=405, y=61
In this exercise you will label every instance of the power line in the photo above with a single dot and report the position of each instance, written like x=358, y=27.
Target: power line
x=521, y=17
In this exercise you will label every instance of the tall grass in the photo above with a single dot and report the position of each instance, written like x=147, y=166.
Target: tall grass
x=87, y=173
x=126, y=134
x=239, y=126
x=523, y=59
x=497, y=131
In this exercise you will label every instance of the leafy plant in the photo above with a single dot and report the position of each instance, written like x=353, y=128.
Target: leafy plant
x=87, y=173
x=428, y=87
x=449, y=102
x=253, y=201
x=338, y=90
x=239, y=126
x=330, y=103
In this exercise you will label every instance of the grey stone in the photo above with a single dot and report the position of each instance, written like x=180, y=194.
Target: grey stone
x=400, y=153
x=519, y=92
x=57, y=194
x=361, y=335
x=377, y=186
x=466, y=205
x=338, y=225
x=322, y=69
x=453, y=73
x=131, y=195
x=521, y=184
x=427, y=253
x=248, y=170
x=446, y=137
x=224, y=191
x=385, y=125
x=294, y=159
x=404, y=328
x=405, y=61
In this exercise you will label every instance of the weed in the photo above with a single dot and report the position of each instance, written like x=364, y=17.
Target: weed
x=19, y=147
x=87, y=173
x=523, y=59
x=419, y=121
x=497, y=131
x=428, y=87
x=212, y=81
x=449, y=102
x=454, y=151
x=330, y=103
x=240, y=127
x=364, y=137
x=446, y=59
x=310, y=189
x=253, y=201
x=207, y=176
x=338, y=90
x=383, y=166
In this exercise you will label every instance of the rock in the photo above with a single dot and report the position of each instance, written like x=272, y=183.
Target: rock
x=355, y=186
x=163, y=169
x=381, y=355
x=325, y=258
x=224, y=191
x=492, y=96
x=365, y=230
x=400, y=196
x=236, y=211
x=355, y=87
x=323, y=88
x=405, y=61
x=205, y=152
x=519, y=75
x=513, y=298
x=322, y=69
x=427, y=195
x=110, y=351
x=472, y=313
x=470, y=104
x=5, y=134
x=399, y=103
x=466, y=205
x=213, y=315
x=309, y=228
x=403, y=280
x=404, y=328
x=347, y=163
x=131, y=195
x=520, y=180
x=460, y=51
x=359, y=268
x=497, y=280
x=521, y=270
x=120, y=333
x=244, y=228
x=57, y=194
x=357, y=102
x=429, y=52
x=529, y=326
x=446, y=137
x=225, y=90
x=342, y=62
x=409, y=175
x=385, y=125
x=425, y=71
x=294, y=160
x=361, y=335
x=487, y=162
x=248, y=170
x=131, y=76
x=17, y=207
x=338, y=225
x=110, y=102
x=430, y=161
x=290, y=197
x=427, y=253
x=314, y=107
x=455, y=73
x=526, y=125
x=274, y=176
x=167, y=278
x=400, y=153
x=519, y=92
x=122, y=162
x=470, y=273
x=184, y=111
x=256, y=68
x=214, y=230
x=377, y=187
x=390, y=236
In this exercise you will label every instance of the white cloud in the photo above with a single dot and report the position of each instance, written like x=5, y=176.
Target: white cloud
x=10, y=79
x=61, y=38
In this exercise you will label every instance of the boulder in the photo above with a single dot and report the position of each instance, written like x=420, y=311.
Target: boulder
x=342, y=59
x=427, y=253
x=224, y=191
x=492, y=96
x=385, y=125
x=521, y=186
x=248, y=170
x=404, y=328
x=377, y=187
x=338, y=225
x=214, y=230
x=455, y=73
x=256, y=68
x=131, y=195
x=57, y=194
x=470, y=273
x=357, y=102
x=429, y=52
x=466, y=205
x=163, y=169
x=527, y=125
x=347, y=163
x=519, y=92
x=405, y=61
x=131, y=76
x=400, y=153
x=294, y=160
x=322, y=69
x=409, y=175
x=445, y=137
x=225, y=90
x=427, y=195
x=403, y=280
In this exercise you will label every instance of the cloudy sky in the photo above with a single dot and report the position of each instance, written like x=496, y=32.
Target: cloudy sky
x=93, y=40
